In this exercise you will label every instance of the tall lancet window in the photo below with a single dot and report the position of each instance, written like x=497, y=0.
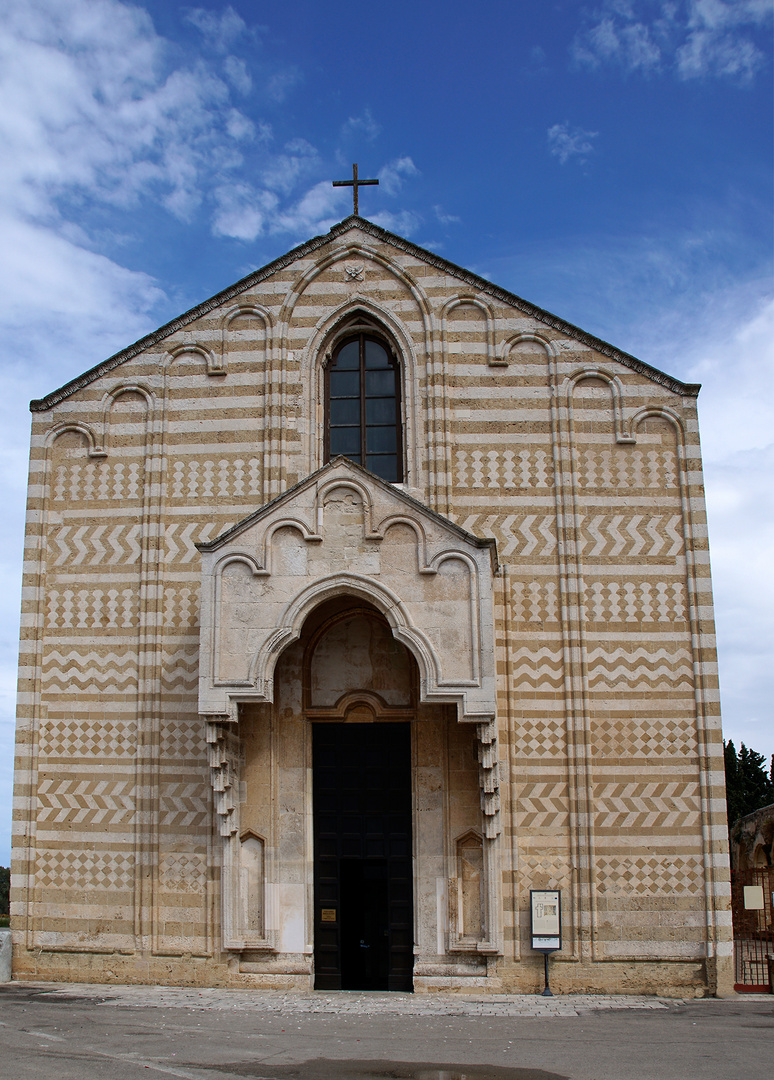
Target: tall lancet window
x=362, y=388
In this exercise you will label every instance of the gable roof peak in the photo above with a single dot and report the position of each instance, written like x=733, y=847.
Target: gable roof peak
x=377, y=232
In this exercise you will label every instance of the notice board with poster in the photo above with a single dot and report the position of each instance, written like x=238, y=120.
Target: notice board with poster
x=546, y=919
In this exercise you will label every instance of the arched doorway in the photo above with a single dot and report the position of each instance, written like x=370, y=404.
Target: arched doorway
x=359, y=695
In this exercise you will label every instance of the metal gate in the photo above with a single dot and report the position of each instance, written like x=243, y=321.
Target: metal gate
x=752, y=906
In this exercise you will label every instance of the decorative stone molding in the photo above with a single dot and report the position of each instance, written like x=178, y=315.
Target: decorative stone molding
x=344, y=532
x=490, y=777
x=223, y=752
x=326, y=537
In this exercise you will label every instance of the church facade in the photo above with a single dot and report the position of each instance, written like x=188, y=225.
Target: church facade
x=360, y=601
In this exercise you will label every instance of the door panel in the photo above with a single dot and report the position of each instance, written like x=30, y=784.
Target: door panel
x=362, y=856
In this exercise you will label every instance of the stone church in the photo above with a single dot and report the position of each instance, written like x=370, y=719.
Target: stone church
x=359, y=601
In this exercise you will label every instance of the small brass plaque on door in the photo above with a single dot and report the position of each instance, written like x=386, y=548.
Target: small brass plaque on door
x=329, y=914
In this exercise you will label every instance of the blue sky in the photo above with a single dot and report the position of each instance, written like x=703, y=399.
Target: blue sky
x=610, y=161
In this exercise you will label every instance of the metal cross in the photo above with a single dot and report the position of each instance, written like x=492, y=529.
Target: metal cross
x=354, y=183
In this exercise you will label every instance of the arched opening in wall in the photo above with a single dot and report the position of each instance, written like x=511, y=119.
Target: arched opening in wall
x=360, y=694
x=358, y=856
x=363, y=399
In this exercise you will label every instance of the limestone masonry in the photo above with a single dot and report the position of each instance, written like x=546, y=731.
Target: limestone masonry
x=228, y=596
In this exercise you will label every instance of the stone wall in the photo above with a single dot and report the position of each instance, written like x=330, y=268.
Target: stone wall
x=580, y=462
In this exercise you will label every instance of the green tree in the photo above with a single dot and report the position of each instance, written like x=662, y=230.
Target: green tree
x=748, y=785
x=5, y=884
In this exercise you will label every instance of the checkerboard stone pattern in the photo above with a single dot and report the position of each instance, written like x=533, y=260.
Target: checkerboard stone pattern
x=584, y=466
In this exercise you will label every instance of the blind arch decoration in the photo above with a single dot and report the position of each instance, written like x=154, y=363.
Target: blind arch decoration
x=363, y=404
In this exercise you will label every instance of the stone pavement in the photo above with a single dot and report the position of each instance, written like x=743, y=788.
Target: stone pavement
x=97, y=1032
x=350, y=1003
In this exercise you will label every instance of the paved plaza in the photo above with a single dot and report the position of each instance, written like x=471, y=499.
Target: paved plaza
x=96, y=1032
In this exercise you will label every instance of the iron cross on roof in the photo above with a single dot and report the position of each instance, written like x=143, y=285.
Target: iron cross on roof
x=354, y=183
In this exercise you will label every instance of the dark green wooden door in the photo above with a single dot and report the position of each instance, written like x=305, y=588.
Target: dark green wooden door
x=363, y=890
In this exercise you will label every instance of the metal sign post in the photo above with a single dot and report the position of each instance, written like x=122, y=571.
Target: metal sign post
x=546, y=926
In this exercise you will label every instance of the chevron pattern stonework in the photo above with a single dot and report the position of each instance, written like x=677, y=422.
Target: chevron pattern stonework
x=145, y=826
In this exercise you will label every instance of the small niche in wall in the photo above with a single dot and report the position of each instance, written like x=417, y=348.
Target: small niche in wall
x=470, y=904
x=252, y=888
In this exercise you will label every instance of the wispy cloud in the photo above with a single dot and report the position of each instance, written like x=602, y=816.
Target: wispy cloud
x=316, y=211
x=241, y=212
x=565, y=142
x=404, y=222
x=443, y=218
x=86, y=105
x=361, y=127
x=219, y=30
x=617, y=38
x=90, y=110
x=282, y=83
x=691, y=38
x=392, y=175
x=237, y=74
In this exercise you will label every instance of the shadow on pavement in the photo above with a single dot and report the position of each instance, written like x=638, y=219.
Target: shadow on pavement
x=327, y=1069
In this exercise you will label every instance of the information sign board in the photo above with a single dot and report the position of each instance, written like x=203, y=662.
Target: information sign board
x=546, y=919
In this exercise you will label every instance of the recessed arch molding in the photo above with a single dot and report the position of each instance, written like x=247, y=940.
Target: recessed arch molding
x=344, y=532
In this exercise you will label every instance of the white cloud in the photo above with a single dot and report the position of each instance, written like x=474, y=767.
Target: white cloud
x=391, y=175
x=735, y=367
x=239, y=126
x=692, y=38
x=85, y=105
x=444, y=218
x=361, y=127
x=65, y=284
x=302, y=147
x=565, y=142
x=284, y=171
x=316, y=211
x=218, y=30
x=404, y=222
x=245, y=212
x=629, y=44
x=281, y=83
x=237, y=74
x=241, y=211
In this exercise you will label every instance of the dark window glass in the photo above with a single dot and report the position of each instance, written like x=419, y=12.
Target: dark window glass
x=379, y=411
x=363, y=406
x=384, y=465
x=346, y=411
x=375, y=355
x=345, y=384
x=345, y=440
x=380, y=384
x=380, y=440
x=348, y=356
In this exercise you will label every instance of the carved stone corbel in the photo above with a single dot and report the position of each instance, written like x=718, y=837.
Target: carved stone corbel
x=489, y=778
x=223, y=750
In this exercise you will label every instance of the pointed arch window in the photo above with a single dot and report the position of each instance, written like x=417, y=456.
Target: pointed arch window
x=362, y=405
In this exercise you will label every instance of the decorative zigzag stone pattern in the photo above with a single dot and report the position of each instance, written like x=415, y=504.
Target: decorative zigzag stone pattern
x=601, y=773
